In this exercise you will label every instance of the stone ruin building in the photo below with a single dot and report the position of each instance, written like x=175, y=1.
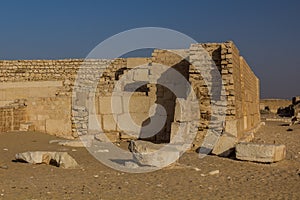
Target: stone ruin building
x=37, y=94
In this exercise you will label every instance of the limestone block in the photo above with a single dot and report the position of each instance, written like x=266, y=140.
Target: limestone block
x=231, y=127
x=107, y=103
x=94, y=123
x=125, y=123
x=134, y=62
x=141, y=74
x=186, y=110
x=158, y=155
x=59, y=127
x=137, y=104
x=109, y=123
x=42, y=117
x=265, y=153
x=225, y=145
x=59, y=159
x=139, y=118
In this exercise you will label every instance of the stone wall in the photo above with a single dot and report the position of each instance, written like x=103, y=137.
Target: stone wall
x=242, y=91
x=47, y=85
x=274, y=104
x=11, y=116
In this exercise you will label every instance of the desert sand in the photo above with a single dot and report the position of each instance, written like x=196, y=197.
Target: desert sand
x=189, y=179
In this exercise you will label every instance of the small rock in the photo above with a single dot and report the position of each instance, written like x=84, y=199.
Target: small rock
x=96, y=176
x=197, y=169
x=214, y=172
x=5, y=149
x=4, y=167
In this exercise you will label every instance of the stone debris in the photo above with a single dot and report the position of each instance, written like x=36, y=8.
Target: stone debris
x=225, y=145
x=59, y=159
x=266, y=153
x=28, y=126
x=214, y=172
x=197, y=169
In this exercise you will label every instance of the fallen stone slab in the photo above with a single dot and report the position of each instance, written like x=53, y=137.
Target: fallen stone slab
x=225, y=145
x=266, y=153
x=59, y=159
x=157, y=155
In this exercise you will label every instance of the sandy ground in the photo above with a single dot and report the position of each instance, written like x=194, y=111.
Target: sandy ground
x=236, y=180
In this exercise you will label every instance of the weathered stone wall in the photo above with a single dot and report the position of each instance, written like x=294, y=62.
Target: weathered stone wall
x=11, y=116
x=250, y=99
x=274, y=104
x=47, y=86
x=242, y=91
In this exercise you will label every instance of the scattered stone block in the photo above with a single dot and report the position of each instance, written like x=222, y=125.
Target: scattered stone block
x=266, y=153
x=59, y=159
x=231, y=127
x=225, y=145
x=150, y=154
x=214, y=172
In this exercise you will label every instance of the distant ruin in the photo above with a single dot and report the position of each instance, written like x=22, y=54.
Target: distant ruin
x=38, y=93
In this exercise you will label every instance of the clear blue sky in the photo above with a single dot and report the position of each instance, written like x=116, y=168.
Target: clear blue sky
x=266, y=32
